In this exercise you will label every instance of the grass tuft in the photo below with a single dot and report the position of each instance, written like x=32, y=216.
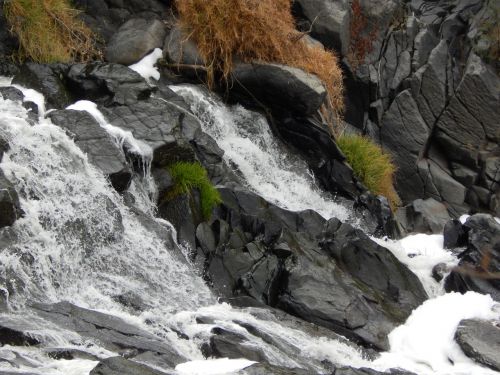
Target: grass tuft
x=189, y=176
x=371, y=165
x=258, y=30
x=50, y=31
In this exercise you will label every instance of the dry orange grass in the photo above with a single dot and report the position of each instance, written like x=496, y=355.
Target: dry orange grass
x=258, y=30
x=50, y=31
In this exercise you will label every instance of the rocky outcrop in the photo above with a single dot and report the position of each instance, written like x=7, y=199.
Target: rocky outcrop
x=122, y=366
x=327, y=273
x=480, y=340
x=423, y=216
x=92, y=139
x=480, y=261
x=10, y=208
x=134, y=40
x=429, y=99
x=279, y=87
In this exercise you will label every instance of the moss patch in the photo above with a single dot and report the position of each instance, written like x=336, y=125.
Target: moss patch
x=371, y=165
x=189, y=176
x=49, y=31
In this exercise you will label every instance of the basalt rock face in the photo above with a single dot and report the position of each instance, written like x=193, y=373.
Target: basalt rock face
x=480, y=261
x=322, y=271
x=429, y=93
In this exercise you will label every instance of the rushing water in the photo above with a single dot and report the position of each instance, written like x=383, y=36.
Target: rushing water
x=80, y=242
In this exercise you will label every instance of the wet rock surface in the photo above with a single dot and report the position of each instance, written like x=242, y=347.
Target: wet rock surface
x=480, y=340
x=309, y=267
x=481, y=258
x=92, y=139
x=10, y=208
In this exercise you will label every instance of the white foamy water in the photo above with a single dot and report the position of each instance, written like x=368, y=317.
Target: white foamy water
x=266, y=165
x=146, y=67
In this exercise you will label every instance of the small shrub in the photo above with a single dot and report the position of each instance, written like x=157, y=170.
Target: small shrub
x=49, y=31
x=371, y=165
x=257, y=30
x=189, y=176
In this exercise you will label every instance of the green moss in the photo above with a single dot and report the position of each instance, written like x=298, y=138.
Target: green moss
x=189, y=176
x=371, y=165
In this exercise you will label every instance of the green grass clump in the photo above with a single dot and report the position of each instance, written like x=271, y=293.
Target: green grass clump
x=189, y=176
x=49, y=31
x=371, y=165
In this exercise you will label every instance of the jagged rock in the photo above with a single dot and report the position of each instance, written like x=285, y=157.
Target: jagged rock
x=112, y=333
x=267, y=369
x=134, y=40
x=10, y=208
x=480, y=340
x=404, y=134
x=122, y=366
x=482, y=256
x=330, y=21
x=46, y=79
x=439, y=271
x=258, y=254
x=14, y=94
x=92, y=139
x=423, y=216
x=107, y=84
x=279, y=87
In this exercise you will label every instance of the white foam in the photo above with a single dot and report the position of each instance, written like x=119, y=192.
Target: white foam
x=146, y=67
x=421, y=252
x=213, y=366
x=425, y=343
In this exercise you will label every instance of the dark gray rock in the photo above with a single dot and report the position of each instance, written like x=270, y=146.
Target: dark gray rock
x=47, y=79
x=122, y=366
x=480, y=340
x=423, y=216
x=404, y=134
x=267, y=369
x=331, y=22
x=134, y=40
x=369, y=371
x=311, y=268
x=112, y=333
x=10, y=208
x=479, y=260
x=108, y=84
x=279, y=87
x=439, y=271
x=455, y=235
x=226, y=344
x=92, y=139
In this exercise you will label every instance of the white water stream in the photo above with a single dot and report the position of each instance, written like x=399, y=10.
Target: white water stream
x=70, y=246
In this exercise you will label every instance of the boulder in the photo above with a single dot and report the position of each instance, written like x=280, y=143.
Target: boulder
x=454, y=234
x=134, y=40
x=180, y=50
x=480, y=340
x=278, y=87
x=48, y=80
x=423, y=216
x=226, y=344
x=92, y=139
x=330, y=22
x=479, y=260
x=17, y=333
x=4, y=147
x=10, y=208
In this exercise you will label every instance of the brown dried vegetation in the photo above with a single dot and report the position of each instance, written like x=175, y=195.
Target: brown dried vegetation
x=257, y=30
x=50, y=31
x=362, y=36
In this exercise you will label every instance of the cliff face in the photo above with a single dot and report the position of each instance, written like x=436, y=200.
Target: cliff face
x=429, y=93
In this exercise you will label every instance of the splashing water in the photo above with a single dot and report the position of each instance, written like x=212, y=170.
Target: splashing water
x=266, y=165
